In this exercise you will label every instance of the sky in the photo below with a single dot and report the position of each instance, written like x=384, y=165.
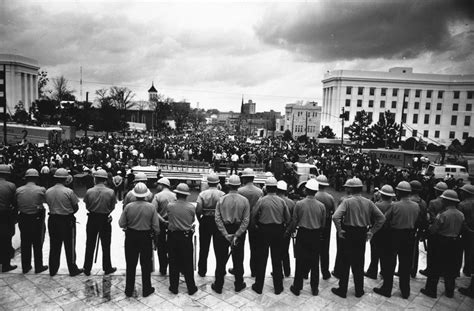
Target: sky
x=212, y=54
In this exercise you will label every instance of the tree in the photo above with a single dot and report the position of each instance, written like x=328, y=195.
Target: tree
x=121, y=97
x=455, y=149
x=409, y=143
x=468, y=145
x=61, y=90
x=42, y=83
x=302, y=139
x=386, y=131
x=359, y=130
x=162, y=107
x=287, y=135
x=21, y=116
x=197, y=117
x=180, y=114
x=326, y=132
x=46, y=111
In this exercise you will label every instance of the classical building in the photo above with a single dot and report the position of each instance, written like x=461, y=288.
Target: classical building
x=436, y=107
x=18, y=81
x=248, y=108
x=303, y=119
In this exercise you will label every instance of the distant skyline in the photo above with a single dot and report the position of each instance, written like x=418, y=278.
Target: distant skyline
x=215, y=52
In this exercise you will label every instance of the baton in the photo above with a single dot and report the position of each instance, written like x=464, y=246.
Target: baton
x=424, y=245
x=194, y=254
x=96, y=248
x=294, y=246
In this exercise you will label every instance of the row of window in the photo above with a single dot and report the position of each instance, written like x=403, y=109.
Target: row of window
x=452, y=134
x=300, y=129
x=416, y=105
x=308, y=114
x=454, y=119
x=406, y=92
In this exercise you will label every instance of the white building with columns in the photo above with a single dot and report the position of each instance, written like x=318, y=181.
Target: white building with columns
x=19, y=81
x=438, y=108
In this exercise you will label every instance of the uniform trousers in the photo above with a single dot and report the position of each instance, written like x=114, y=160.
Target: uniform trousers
x=416, y=255
x=352, y=257
x=207, y=231
x=180, y=248
x=62, y=229
x=308, y=245
x=162, y=248
x=7, y=230
x=138, y=244
x=285, y=255
x=324, y=250
x=98, y=225
x=378, y=247
x=253, y=243
x=339, y=255
x=270, y=236
x=32, y=230
x=222, y=253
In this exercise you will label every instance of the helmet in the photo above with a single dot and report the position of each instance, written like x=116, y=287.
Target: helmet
x=182, y=189
x=387, y=190
x=415, y=185
x=441, y=186
x=281, y=185
x=268, y=174
x=141, y=190
x=61, y=173
x=4, y=169
x=164, y=181
x=312, y=184
x=248, y=172
x=353, y=183
x=101, y=174
x=31, y=173
x=404, y=186
x=119, y=172
x=450, y=195
x=234, y=180
x=271, y=182
x=468, y=188
x=140, y=177
x=322, y=180
x=212, y=178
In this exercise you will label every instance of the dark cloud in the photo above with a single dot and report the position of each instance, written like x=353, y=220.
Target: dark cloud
x=333, y=30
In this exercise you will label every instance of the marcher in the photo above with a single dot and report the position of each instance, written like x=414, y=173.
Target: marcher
x=235, y=163
x=8, y=213
x=181, y=215
x=309, y=217
x=282, y=192
x=118, y=185
x=352, y=218
x=232, y=218
x=63, y=204
x=445, y=231
x=270, y=216
x=205, y=211
x=467, y=208
x=31, y=221
x=100, y=202
x=140, y=220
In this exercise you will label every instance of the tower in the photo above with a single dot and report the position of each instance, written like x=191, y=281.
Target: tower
x=152, y=93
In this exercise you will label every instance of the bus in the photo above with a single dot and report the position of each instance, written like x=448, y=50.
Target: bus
x=32, y=134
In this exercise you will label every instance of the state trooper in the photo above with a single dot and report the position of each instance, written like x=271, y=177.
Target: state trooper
x=309, y=217
x=352, y=218
x=282, y=190
x=270, y=216
x=379, y=244
x=7, y=218
x=129, y=197
x=232, y=218
x=402, y=218
x=445, y=231
x=31, y=221
x=161, y=201
x=205, y=211
x=467, y=208
x=181, y=215
x=139, y=219
x=63, y=204
x=328, y=200
x=422, y=226
x=100, y=202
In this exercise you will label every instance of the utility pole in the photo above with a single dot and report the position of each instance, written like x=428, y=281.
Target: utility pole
x=401, y=120
x=343, y=117
x=80, y=81
x=3, y=102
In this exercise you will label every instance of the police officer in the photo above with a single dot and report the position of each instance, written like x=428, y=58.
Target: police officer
x=402, y=218
x=181, y=216
x=270, y=216
x=205, y=212
x=139, y=218
x=445, y=230
x=232, y=218
x=467, y=208
x=379, y=244
x=139, y=177
x=100, y=202
x=422, y=226
x=7, y=218
x=63, y=204
x=352, y=218
x=30, y=199
x=282, y=190
x=161, y=201
x=328, y=200
x=310, y=217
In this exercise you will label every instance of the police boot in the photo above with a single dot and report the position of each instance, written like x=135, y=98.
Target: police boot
x=468, y=291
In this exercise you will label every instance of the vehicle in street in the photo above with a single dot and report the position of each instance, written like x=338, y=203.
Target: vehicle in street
x=441, y=171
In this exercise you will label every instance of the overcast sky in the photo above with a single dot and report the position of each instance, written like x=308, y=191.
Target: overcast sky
x=215, y=52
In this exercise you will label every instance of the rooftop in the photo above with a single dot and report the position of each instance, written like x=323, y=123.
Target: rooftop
x=18, y=59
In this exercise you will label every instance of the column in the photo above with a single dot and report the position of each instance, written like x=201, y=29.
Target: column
x=28, y=92
x=35, y=87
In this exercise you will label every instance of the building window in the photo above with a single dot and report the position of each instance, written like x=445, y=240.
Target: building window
x=383, y=91
x=468, y=107
x=381, y=116
x=436, y=134
x=394, y=104
x=348, y=102
x=438, y=119
x=371, y=103
x=454, y=120
x=414, y=133
x=470, y=94
x=439, y=106
x=372, y=91
x=360, y=90
x=417, y=93
x=440, y=94
x=370, y=115
x=465, y=135
x=415, y=118
x=429, y=93
x=427, y=119
x=417, y=105
x=425, y=133
x=359, y=103
x=451, y=135
x=404, y=133
x=382, y=104
x=406, y=93
x=456, y=94
x=427, y=106
x=455, y=107
x=404, y=118
x=405, y=105
x=467, y=120
x=395, y=92
x=348, y=90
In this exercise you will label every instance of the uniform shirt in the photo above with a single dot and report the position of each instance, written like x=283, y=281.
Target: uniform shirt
x=161, y=201
x=180, y=215
x=61, y=200
x=141, y=216
x=424, y=216
x=100, y=199
x=435, y=207
x=448, y=223
x=252, y=193
x=270, y=209
x=384, y=206
x=207, y=200
x=30, y=198
x=467, y=208
x=358, y=211
x=328, y=201
x=232, y=208
x=7, y=195
x=309, y=213
x=290, y=203
x=129, y=197
x=403, y=214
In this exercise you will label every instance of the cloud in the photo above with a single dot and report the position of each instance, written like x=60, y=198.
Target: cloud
x=334, y=30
